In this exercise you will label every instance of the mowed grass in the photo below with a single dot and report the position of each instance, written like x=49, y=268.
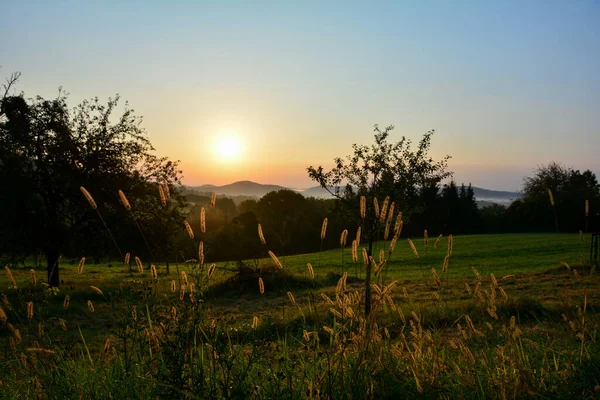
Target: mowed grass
x=554, y=309
x=527, y=256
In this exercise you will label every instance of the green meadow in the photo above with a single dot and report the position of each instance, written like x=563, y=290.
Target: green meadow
x=513, y=316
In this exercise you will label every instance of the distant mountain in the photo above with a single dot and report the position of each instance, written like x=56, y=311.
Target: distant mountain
x=253, y=189
x=495, y=196
x=241, y=188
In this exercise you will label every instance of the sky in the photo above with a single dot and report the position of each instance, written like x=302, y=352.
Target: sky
x=261, y=90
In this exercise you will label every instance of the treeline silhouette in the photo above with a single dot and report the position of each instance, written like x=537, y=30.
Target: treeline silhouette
x=292, y=223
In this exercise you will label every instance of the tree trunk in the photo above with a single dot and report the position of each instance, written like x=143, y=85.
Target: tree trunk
x=52, y=258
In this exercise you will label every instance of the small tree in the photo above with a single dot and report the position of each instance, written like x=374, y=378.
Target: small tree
x=381, y=170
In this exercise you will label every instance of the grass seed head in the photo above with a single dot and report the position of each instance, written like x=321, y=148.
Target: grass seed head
x=81, y=265
x=88, y=197
x=124, y=200
x=311, y=271
x=211, y=269
x=414, y=249
x=261, y=236
x=153, y=271
x=201, y=253
x=450, y=242
x=292, y=298
x=390, y=213
x=255, y=322
x=166, y=189
x=324, y=229
x=11, y=278
x=97, y=290
x=3, y=316
x=365, y=256
x=363, y=207
x=90, y=305
x=184, y=278
x=386, y=231
x=261, y=286
x=437, y=242
x=398, y=225
x=203, y=220
x=33, y=277
x=551, y=197
x=383, y=213
x=275, y=260
x=354, y=251
x=343, y=238
x=587, y=208
x=126, y=261
x=213, y=199
x=161, y=195
x=30, y=310
x=139, y=264
x=376, y=207
x=392, y=245
x=189, y=229
x=66, y=302
x=358, y=232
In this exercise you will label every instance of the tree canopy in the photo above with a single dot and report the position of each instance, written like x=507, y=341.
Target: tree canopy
x=47, y=152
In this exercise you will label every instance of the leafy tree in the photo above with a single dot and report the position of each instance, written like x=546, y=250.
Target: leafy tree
x=47, y=152
x=380, y=170
x=570, y=188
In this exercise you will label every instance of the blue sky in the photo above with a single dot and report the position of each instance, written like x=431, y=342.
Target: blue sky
x=507, y=85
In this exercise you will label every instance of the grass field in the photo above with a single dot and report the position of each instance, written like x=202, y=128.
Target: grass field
x=507, y=320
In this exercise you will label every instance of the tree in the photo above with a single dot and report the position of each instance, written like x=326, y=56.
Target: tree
x=48, y=152
x=383, y=169
x=570, y=189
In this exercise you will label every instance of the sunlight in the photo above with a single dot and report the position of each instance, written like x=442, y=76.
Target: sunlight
x=227, y=147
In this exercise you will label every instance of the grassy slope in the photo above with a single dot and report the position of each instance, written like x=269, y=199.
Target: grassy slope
x=538, y=295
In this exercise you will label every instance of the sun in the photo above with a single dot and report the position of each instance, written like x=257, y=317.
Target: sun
x=227, y=148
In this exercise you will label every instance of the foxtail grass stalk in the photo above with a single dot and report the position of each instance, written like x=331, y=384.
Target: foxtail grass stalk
x=94, y=206
x=127, y=206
